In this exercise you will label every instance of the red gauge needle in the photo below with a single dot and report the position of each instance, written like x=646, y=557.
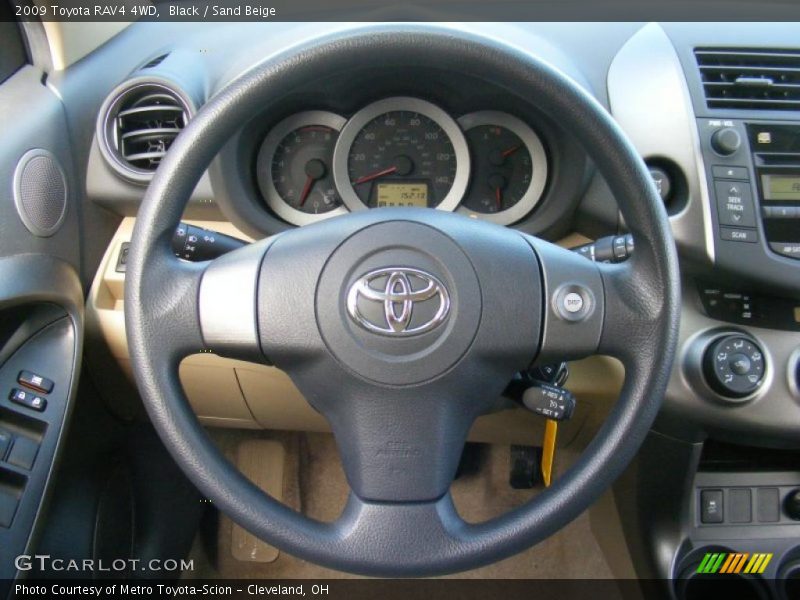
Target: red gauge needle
x=510, y=151
x=372, y=176
x=498, y=194
x=307, y=189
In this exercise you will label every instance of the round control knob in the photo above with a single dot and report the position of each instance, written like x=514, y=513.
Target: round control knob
x=792, y=505
x=734, y=366
x=726, y=141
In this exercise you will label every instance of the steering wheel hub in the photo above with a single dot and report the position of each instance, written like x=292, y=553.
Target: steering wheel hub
x=377, y=275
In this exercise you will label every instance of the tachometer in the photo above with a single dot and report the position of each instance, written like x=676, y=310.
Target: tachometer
x=401, y=152
x=294, y=167
x=509, y=167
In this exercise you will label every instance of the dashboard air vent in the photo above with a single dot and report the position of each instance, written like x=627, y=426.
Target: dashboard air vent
x=750, y=79
x=139, y=125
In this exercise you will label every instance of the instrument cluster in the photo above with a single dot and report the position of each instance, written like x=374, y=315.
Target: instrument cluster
x=402, y=151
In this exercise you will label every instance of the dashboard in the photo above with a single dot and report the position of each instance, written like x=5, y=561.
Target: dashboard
x=448, y=139
x=402, y=151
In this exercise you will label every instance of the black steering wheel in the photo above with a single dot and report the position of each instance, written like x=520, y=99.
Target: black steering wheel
x=457, y=307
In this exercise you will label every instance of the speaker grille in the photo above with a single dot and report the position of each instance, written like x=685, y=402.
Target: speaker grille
x=40, y=192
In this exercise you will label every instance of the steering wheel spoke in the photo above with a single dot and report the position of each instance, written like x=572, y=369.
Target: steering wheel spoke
x=228, y=303
x=574, y=303
x=634, y=309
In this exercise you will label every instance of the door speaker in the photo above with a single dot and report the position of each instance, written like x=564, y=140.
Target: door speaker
x=40, y=192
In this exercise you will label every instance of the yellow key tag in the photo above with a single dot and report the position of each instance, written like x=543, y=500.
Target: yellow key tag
x=549, y=450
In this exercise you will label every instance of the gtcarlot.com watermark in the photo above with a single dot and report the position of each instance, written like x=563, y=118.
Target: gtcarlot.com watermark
x=44, y=562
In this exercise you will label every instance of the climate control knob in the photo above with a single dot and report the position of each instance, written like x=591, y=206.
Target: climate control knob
x=734, y=366
x=726, y=141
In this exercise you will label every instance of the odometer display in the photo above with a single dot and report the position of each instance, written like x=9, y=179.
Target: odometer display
x=402, y=194
x=401, y=152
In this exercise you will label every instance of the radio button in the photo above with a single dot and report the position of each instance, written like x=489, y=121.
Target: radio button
x=790, y=249
x=732, y=234
x=722, y=172
x=783, y=212
x=735, y=204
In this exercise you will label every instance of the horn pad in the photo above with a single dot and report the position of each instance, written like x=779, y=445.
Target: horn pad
x=392, y=296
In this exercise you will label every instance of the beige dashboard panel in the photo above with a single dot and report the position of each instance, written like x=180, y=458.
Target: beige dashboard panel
x=230, y=393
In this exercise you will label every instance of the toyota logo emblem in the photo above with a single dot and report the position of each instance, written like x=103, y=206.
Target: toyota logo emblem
x=400, y=291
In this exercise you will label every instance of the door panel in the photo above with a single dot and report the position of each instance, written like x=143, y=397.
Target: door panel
x=41, y=302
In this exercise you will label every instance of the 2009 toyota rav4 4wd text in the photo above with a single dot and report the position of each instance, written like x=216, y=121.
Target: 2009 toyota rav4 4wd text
x=301, y=301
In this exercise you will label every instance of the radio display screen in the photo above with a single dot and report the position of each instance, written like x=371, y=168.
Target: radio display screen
x=781, y=187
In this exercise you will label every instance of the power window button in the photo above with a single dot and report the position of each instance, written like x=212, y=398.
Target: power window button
x=35, y=382
x=711, y=509
x=5, y=442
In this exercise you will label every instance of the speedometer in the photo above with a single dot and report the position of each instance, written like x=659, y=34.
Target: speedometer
x=401, y=152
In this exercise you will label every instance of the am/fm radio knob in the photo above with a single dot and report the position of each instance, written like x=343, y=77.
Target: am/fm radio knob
x=726, y=141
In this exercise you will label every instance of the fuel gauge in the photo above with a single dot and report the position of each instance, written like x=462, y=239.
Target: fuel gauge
x=509, y=167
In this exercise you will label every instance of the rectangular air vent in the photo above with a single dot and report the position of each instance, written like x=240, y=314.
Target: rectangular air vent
x=766, y=79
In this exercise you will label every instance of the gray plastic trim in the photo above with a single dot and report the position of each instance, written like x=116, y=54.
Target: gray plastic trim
x=227, y=303
x=793, y=373
x=692, y=410
x=23, y=161
x=357, y=122
x=649, y=98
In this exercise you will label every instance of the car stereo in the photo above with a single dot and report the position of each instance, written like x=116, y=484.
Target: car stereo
x=775, y=149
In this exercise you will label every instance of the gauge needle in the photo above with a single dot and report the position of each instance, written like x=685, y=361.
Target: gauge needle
x=307, y=189
x=510, y=151
x=498, y=194
x=372, y=176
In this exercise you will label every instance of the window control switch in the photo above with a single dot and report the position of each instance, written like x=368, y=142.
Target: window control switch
x=35, y=382
x=28, y=400
x=23, y=453
x=5, y=442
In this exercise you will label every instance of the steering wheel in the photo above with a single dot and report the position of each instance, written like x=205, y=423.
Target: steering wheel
x=400, y=325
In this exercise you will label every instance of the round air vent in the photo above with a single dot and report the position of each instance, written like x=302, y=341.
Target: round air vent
x=137, y=125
